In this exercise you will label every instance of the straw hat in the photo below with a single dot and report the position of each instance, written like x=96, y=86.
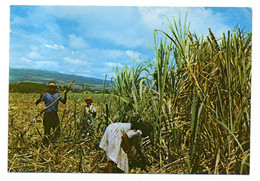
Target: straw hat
x=89, y=98
x=52, y=84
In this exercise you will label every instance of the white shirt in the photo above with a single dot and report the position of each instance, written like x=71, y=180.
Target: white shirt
x=88, y=111
x=111, y=143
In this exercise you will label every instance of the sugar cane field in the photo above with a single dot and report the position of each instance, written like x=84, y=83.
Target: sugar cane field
x=196, y=93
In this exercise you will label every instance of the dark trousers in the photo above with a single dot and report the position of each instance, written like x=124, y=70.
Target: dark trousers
x=51, y=121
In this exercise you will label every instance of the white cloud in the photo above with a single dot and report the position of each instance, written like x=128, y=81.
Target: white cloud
x=74, y=61
x=54, y=46
x=131, y=27
x=34, y=55
x=46, y=64
x=133, y=54
x=116, y=25
x=77, y=42
x=26, y=60
x=98, y=54
x=71, y=13
x=200, y=18
x=17, y=20
x=125, y=38
x=153, y=17
x=112, y=64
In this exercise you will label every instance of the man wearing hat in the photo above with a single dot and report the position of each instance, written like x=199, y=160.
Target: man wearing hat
x=89, y=109
x=51, y=119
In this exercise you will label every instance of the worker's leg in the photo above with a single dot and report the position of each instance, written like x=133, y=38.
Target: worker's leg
x=47, y=128
x=110, y=167
x=56, y=126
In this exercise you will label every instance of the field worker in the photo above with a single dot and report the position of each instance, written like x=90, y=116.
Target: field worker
x=118, y=140
x=89, y=109
x=51, y=119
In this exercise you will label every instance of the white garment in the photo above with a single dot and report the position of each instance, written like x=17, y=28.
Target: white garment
x=88, y=111
x=111, y=143
x=131, y=133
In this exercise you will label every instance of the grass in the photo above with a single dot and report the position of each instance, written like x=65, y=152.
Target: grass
x=72, y=151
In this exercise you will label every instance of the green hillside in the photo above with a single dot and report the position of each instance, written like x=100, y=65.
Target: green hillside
x=43, y=77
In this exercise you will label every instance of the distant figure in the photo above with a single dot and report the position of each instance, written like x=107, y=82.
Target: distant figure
x=118, y=140
x=89, y=109
x=51, y=119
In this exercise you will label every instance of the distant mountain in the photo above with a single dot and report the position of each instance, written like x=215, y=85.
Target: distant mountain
x=43, y=77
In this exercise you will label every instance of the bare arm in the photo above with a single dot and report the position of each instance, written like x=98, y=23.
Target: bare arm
x=126, y=146
x=65, y=98
x=39, y=100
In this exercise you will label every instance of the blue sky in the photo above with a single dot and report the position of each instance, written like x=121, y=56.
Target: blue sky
x=92, y=40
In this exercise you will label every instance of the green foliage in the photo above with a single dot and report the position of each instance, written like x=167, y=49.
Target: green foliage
x=200, y=107
x=27, y=87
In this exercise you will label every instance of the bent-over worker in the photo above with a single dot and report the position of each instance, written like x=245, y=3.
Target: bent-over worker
x=118, y=140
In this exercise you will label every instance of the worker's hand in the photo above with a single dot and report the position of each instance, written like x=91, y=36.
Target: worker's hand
x=39, y=100
x=66, y=89
x=130, y=154
x=42, y=93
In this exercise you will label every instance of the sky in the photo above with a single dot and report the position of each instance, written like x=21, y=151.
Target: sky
x=92, y=40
